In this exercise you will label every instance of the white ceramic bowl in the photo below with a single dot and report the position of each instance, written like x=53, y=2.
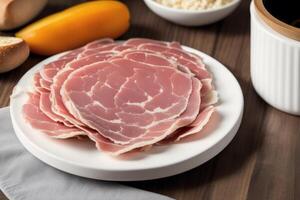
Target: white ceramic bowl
x=275, y=63
x=192, y=17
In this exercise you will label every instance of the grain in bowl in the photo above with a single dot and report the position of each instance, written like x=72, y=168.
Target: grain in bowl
x=192, y=16
x=194, y=4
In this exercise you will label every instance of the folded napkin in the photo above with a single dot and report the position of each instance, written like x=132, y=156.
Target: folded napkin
x=22, y=176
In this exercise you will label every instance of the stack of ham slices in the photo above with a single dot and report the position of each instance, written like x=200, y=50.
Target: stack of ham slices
x=123, y=96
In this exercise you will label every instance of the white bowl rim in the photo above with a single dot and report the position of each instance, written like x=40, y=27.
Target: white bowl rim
x=185, y=11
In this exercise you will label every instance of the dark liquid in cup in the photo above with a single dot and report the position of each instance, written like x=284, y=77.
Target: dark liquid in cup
x=287, y=11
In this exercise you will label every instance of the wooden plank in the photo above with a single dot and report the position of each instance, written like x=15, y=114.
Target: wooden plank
x=277, y=167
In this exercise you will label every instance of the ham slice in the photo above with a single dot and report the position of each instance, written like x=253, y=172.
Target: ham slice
x=140, y=41
x=208, y=93
x=99, y=53
x=155, y=135
x=116, y=149
x=123, y=96
x=38, y=120
x=57, y=105
x=51, y=69
x=45, y=106
x=107, y=47
x=45, y=84
x=98, y=43
x=201, y=120
x=192, y=62
x=37, y=83
x=114, y=98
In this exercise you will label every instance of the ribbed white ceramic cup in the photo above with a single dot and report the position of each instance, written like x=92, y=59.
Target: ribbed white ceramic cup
x=275, y=65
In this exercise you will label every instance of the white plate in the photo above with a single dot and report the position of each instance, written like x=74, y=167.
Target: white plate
x=81, y=157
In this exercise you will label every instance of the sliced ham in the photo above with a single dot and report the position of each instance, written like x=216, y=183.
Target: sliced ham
x=72, y=54
x=182, y=57
x=107, y=47
x=192, y=62
x=99, y=53
x=51, y=69
x=45, y=107
x=114, y=98
x=123, y=96
x=38, y=120
x=201, y=120
x=152, y=58
x=57, y=105
x=209, y=99
x=206, y=86
x=155, y=135
x=37, y=84
x=45, y=84
x=54, y=68
x=99, y=43
x=141, y=41
x=208, y=93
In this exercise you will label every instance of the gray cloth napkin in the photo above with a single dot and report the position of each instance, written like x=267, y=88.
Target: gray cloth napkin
x=22, y=176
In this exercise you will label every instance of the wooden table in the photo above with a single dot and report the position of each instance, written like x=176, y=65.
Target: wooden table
x=263, y=160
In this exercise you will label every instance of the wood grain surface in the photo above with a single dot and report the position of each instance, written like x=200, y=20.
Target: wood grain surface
x=263, y=160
